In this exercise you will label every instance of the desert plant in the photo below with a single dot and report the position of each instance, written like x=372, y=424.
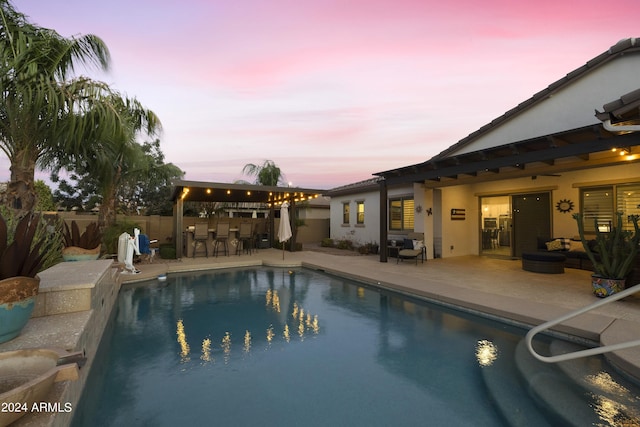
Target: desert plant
x=89, y=239
x=27, y=245
x=614, y=253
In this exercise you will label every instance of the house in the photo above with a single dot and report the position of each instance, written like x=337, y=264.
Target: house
x=572, y=147
x=355, y=212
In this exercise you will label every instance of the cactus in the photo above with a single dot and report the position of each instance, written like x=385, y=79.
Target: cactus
x=616, y=250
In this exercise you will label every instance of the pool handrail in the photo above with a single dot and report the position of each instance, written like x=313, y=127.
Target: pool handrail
x=581, y=353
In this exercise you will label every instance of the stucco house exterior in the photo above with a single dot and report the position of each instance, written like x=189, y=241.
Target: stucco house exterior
x=355, y=212
x=572, y=147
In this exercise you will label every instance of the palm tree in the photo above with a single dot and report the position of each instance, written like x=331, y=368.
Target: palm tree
x=44, y=115
x=266, y=174
x=118, y=158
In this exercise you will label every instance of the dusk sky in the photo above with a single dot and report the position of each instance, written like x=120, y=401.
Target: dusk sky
x=331, y=90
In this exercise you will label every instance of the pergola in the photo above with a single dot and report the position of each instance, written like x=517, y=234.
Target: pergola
x=271, y=197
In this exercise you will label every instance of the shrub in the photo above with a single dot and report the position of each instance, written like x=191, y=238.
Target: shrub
x=326, y=242
x=287, y=245
x=113, y=232
x=167, y=251
x=345, y=244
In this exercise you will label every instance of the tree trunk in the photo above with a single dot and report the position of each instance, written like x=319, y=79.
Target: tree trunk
x=21, y=192
x=106, y=214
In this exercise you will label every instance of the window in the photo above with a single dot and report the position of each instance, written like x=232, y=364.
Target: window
x=599, y=205
x=345, y=213
x=597, y=208
x=628, y=202
x=401, y=214
x=360, y=213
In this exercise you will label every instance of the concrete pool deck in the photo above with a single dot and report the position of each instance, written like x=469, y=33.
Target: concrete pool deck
x=498, y=287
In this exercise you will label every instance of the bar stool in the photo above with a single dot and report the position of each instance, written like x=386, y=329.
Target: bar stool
x=222, y=236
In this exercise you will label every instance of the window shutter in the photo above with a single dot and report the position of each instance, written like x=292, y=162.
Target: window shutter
x=628, y=197
x=597, y=204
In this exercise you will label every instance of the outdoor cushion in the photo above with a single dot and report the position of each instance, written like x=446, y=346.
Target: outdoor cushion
x=576, y=246
x=543, y=242
x=555, y=245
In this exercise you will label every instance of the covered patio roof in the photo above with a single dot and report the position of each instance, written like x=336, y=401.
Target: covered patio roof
x=570, y=150
x=200, y=191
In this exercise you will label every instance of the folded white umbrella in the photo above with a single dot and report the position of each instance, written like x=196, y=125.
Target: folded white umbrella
x=284, y=229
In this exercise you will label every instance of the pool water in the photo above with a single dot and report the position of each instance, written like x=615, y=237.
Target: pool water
x=278, y=347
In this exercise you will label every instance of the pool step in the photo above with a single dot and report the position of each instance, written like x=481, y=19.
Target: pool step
x=564, y=399
x=507, y=392
x=608, y=390
x=574, y=393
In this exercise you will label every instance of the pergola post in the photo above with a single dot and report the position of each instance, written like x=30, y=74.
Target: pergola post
x=292, y=223
x=178, y=211
x=272, y=225
x=383, y=220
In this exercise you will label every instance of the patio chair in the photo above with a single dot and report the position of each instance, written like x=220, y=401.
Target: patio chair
x=408, y=252
x=245, y=238
x=201, y=234
x=222, y=237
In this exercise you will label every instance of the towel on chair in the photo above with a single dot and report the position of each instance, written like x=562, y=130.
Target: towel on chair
x=144, y=244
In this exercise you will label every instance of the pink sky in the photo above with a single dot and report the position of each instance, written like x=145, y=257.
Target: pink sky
x=331, y=90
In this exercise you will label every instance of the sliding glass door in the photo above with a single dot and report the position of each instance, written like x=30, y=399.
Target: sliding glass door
x=495, y=227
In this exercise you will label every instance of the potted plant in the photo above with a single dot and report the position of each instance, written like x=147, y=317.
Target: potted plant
x=81, y=247
x=26, y=247
x=613, y=254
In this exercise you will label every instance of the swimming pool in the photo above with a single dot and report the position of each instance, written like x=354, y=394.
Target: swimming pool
x=300, y=347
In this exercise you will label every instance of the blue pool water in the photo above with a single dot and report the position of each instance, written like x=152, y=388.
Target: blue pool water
x=277, y=347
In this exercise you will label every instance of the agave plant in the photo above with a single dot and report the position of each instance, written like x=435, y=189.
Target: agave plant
x=90, y=239
x=26, y=248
